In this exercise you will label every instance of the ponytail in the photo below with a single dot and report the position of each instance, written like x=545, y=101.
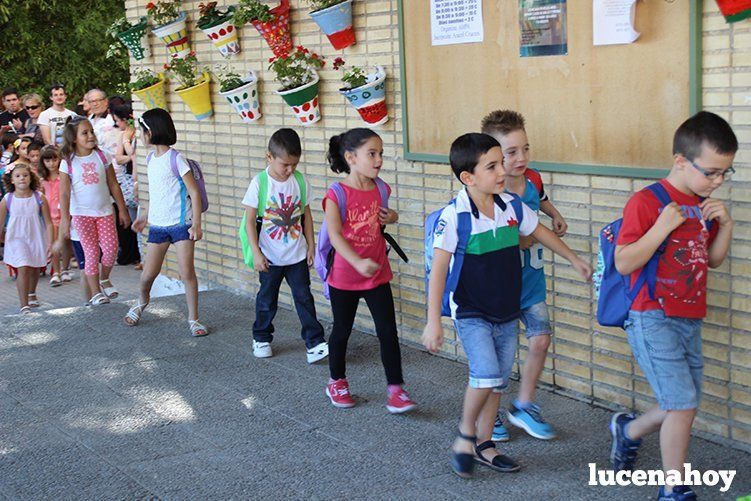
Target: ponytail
x=348, y=141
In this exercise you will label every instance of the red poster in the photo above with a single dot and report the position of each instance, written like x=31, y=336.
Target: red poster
x=735, y=10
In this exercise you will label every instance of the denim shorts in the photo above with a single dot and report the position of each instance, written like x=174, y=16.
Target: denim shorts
x=171, y=234
x=536, y=320
x=490, y=349
x=668, y=350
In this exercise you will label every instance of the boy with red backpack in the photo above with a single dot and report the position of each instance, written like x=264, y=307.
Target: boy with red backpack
x=688, y=232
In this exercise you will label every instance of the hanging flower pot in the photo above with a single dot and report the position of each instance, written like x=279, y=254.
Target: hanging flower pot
x=175, y=36
x=304, y=101
x=243, y=99
x=370, y=98
x=153, y=95
x=276, y=32
x=218, y=26
x=336, y=23
x=198, y=97
x=134, y=38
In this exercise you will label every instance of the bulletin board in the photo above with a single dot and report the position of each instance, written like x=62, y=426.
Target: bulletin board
x=606, y=110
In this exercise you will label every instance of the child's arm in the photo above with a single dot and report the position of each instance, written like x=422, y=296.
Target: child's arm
x=387, y=216
x=121, y=156
x=559, y=224
x=47, y=225
x=364, y=266
x=307, y=229
x=195, y=200
x=142, y=218
x=432, y=335
x=117, y=194
x=46, y=135
x=64, y=232
x=714, y=210
x=554, y=243
x=260, y=263
x=3, y=215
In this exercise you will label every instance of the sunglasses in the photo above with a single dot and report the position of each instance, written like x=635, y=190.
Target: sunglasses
x=34, y=107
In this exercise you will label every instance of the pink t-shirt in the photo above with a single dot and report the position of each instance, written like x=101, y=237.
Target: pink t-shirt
x=52, y=192
x=362, y=231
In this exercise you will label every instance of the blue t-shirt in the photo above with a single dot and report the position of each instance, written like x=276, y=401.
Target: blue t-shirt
x=533, y=276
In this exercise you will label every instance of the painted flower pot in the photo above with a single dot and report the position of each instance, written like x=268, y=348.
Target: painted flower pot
x=153, y=97
x=370, y=99
x=135, y=40
x=175, y=35
x=198, y=98
x=244, y=99
x=276, y=32
x=304, y=102
x=336, y=23
x=224, y=37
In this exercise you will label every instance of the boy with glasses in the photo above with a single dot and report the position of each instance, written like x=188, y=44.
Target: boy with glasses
x=52, y=120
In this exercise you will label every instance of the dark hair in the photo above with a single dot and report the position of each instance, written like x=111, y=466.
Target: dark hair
x=348, y=141
x=160, y=127
x=502, y=122
x=69, y=135
x=56, y=86
x=8, y=91
x=704, y=127
x=123, y=112
x=34, y=146
x=34, y=182
x=116, y=101
x=16, y=156
x=467, y=149
x=285, y=142
x=8, y=139
x=49, y=151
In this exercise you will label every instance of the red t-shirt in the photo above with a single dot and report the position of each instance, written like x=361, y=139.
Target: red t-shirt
x=362, y=231
x=52, y=192
x=681, y=289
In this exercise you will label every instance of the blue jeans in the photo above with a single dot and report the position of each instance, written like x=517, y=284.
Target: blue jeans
x=298, y=279
x=490, y=349
x=171, y=234
x=668, y=350
x=536, y=320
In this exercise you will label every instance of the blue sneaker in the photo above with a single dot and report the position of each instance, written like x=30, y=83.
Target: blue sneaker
x=680, y=492
x=624, y=450
x=530, y=420
x=500, y=433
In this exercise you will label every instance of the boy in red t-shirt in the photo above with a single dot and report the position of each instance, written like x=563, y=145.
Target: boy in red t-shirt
x=665, y=331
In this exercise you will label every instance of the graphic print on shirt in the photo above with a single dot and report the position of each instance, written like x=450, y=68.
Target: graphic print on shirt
x=90, y=175
x=280, y=221
x=364, y=223
x=686, y=262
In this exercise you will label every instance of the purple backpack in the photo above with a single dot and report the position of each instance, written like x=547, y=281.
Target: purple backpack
x=195, y=169
x=324, y=257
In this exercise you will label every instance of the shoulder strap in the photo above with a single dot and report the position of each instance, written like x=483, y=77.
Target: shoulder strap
x=102, y=157
x=383, y=190
x=303, y=190
x=149, y=156
x=263, y=192
x=173, y=163
x=341, y=200
x=463, y=230
x=516, y=203
x=659, y=191
x=8, y=200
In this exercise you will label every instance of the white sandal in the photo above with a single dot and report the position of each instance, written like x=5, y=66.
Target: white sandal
x=25, y=310
x=55, y=281
x=110, y=291
x=98, y=299
x=197, y=329
x=34, y=303
x=65, y=276
x=134, y=314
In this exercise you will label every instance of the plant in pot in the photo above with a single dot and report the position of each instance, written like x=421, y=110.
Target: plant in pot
x=297, y=74
x=366, y=92
x=132, y=36
x=194, y=84
x=149, y=88
x=218, y=26
x=240, y=92
x=272, y=24
x=334, y=17
x=170, y=25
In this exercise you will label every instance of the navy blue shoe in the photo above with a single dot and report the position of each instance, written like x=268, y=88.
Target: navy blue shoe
x=679, y=493
x=499, y=462
x=624, y=450
x=500, y=433
x=462, y=463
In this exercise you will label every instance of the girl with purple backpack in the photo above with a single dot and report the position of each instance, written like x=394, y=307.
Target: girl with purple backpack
x=176, y=202
x=355, y=211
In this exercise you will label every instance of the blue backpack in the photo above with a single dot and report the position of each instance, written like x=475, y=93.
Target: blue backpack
x=463, y=230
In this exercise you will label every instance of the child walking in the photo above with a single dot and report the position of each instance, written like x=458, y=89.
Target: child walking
x=29, y=232
x=284, y=248
x=691, y=233
x=360, y=266
x=49, y=170
x=87, y=180
x=173, y=215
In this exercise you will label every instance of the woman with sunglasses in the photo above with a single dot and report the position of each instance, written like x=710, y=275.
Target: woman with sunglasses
x=33, y=104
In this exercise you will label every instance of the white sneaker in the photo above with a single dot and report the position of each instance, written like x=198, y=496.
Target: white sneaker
x=262, y=350
x=318, y=352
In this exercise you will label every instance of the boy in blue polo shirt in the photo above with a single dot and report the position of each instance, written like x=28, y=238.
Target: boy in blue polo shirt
x=485, y=315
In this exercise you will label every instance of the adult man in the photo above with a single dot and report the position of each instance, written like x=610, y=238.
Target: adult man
x=13, y=116
x=107, y=135
x=52, y=120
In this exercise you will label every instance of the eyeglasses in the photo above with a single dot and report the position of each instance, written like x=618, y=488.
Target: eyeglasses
x=726, y=174
x=97, y=100
x=143, y=122
x=34, y=107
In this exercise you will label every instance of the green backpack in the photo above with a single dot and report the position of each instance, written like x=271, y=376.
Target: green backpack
x=263, y=190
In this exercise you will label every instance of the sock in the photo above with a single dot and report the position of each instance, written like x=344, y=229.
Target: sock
x=521, y=405
x=393, y=388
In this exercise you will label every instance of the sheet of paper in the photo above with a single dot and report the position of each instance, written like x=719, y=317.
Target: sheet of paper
x=613, y=22
x=455, y=21
x=542, y=26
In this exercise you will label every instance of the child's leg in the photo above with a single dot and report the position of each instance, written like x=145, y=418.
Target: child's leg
x=537, y=331
x=89, y=239
x=67, y=254
x=78, y=251
x=55, y=255
x=298, y=279
x=474, y=402
x=34, y=280
x=23, y=278
x=151, y=269
x=107, y=232
x=185, y=250
x=675, y=434
x=267, y=301
x=344, y=308
x=486, y=418
x=380, y=302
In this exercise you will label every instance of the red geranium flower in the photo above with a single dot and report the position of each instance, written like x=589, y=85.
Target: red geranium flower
x=150, y=6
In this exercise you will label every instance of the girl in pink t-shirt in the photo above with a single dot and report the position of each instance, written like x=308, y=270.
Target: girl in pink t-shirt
x=49, y=171
x=360, y=268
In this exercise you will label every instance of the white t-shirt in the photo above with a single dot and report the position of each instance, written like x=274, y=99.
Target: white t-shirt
x=89, y=193
x=55, y=120
x=169, y=203
x=281, y=239
x=108, y=136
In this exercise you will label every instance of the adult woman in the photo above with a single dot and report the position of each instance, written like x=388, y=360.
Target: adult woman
x=34, y=106
x=127, y=176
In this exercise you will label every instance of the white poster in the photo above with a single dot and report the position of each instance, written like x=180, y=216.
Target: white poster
x=613, y=22
x=456, y=21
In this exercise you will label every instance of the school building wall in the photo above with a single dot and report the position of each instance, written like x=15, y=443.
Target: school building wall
x=586, y=361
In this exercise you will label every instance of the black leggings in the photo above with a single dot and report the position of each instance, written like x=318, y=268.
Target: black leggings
x=381, y=305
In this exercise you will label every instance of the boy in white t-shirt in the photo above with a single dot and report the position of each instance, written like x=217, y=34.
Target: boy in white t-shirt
x=52, y=120
x=281, y=238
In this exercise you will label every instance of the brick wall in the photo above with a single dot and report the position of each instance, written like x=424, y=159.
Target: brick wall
x=586, y=361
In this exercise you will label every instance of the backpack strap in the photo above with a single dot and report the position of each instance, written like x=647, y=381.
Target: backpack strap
x=263, y=192
x=102, y=157
x=341, y=200
x=173, y=163
x=516, y=203
x=303, y=190
x=149, y=156
x=383, y=190
x=463, y=230
x=649, y=273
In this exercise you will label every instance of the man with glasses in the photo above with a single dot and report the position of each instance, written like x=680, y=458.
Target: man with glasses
x=14, y=116
x=108, y=136
x=52, y=120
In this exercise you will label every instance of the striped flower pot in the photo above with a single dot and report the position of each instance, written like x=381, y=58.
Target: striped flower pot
x=304, y=101
x=198, y=98
x=224, y=37
x=336, y=24
x=244, y=99
x=276, y=32
x=370, y=99
x=135, y=40
x=153, y=97
x=175, y=35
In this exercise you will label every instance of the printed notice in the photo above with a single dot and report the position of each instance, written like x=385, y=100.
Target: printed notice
x=456, y=21
x=613, y=22
x=542, y=24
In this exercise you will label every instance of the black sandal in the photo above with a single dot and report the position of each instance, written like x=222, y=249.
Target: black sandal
x=499, y=462
x=462, y=463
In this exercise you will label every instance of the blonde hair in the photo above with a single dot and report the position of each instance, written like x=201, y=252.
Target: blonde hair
x=32, y=97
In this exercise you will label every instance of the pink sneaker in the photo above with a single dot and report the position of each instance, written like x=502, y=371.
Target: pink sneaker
x=399, y=402
x=338, y=393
